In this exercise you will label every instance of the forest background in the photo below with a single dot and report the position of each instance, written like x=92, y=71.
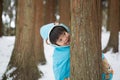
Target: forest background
x=86, y=19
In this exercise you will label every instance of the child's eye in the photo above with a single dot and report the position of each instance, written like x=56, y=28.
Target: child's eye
x=64, y=33
x=60, y=40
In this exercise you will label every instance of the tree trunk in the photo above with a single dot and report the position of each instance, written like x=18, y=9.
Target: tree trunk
x=39, y=21
x=86, y=40
x=22, y=61
x=113, y=24
x=1, y=8
x=50, y=8
x=64, y=11
x=44, y=14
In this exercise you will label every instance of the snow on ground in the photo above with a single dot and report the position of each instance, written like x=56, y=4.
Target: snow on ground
x=7, y=44
x=47, y=69
x=6, y=47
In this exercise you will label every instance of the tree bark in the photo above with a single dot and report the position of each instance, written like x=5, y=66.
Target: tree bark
x=86, y=40
x=114, y=25
x=44, y=14
x=64, y=11
x=50, y=8
x=1, y=8
x=23, y=61
x=39, y=21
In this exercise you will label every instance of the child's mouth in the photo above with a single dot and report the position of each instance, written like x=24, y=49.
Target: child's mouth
x=68, y=41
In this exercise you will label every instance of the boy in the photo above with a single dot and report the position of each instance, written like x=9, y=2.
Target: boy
x=57, y=35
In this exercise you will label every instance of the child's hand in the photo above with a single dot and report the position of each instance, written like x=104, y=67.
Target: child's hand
x=112, y=71
x=56, y=23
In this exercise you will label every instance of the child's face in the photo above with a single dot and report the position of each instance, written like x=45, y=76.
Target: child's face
x=64, y=39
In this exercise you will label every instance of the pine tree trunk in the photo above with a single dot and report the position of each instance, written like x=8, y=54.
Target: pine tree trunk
x=64, y=11
x=1, y=2
x=23, y=61
x=50, y=8
x=39, y=21
x=86, y=40
x=113, y=24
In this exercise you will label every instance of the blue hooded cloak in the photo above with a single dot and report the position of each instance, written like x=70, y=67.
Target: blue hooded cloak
x=61, y=54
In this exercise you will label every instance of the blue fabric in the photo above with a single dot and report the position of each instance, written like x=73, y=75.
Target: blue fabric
x=103, y=56
x=110, y=76
x=61, y=55
x=45, y=29
x=61, y=60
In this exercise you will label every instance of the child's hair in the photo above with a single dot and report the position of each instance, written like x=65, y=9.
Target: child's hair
x=55, y=33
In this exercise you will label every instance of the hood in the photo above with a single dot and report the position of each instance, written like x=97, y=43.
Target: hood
x=46, y=29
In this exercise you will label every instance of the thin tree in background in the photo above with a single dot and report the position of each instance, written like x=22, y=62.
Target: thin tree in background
x=39, y=21
x=64, y=11
x=45, y=13
x=9, y=9
x=49, y=10
x=86, y=40
x=23, y=62
x=1, y=8
x=113, y=24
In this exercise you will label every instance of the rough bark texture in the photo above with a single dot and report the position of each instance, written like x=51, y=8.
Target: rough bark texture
x=86, y=40
x=23, y=58
x=113, y=24
x=64, y=11
x=1, y=7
